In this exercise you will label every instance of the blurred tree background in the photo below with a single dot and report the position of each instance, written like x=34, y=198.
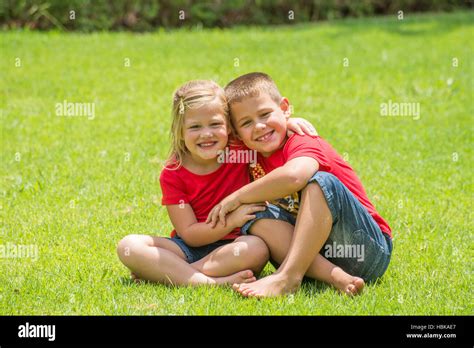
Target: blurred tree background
x=146, y=15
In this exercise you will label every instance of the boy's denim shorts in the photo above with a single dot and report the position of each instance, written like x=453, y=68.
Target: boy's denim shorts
x=194, y=254
x=355, y=243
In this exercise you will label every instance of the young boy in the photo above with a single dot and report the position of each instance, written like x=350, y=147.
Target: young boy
x=338, y=235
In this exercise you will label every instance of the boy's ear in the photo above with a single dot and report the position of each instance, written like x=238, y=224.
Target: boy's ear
x=285, y=107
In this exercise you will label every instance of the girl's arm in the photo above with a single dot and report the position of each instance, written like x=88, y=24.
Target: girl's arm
x=196, y=233
x=300, y=126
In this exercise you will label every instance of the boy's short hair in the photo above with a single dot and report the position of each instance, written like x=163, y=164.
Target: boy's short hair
x=251, y=85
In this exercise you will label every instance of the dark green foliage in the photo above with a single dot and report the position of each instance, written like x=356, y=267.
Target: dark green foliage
x=145, y=15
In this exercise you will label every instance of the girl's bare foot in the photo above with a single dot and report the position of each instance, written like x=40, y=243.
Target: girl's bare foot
x=236, y=278
x=273, y=285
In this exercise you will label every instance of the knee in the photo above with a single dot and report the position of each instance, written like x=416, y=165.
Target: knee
x=252, y=248
x=128, y=248
x=260, y=249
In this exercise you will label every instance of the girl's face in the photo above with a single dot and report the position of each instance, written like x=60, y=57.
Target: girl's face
x=205, y=131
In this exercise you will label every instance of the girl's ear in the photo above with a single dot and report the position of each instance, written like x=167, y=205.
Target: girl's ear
x=285, y=107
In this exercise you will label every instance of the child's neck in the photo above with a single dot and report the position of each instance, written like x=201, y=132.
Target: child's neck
x=200, y=166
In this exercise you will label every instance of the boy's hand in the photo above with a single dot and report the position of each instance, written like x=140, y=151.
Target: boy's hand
x=244, y=213
x=300, y=126
x=218, y=213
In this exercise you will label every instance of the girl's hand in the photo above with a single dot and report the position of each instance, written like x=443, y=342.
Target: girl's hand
x=300, y=126
x=244, y=213
x=218, y=213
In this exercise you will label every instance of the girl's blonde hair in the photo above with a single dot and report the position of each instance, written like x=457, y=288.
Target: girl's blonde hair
x=193, y=94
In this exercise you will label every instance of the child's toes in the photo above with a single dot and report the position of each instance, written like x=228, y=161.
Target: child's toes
x=241, y=288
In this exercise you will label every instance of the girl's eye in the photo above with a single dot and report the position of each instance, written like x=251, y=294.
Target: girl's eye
x=194, y=127
x=266, y=114
x=216, y=124
x=246, y=123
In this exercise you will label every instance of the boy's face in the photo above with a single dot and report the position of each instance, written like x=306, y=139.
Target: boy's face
x=260, y=122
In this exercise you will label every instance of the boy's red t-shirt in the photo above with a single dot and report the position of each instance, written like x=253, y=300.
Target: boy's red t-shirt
x=329, y=161
x=203, y=192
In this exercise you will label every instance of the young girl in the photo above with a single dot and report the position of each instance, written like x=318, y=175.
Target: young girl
x=192, y=182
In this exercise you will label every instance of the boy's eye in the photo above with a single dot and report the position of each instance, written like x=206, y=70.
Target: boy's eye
x=266, y=114
x=216, y=124
x=246, y=123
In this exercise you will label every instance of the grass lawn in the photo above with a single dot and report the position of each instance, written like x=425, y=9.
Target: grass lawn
x=74, y=186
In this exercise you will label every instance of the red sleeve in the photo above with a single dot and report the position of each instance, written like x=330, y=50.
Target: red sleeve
x=307, y=146
x=172, y=188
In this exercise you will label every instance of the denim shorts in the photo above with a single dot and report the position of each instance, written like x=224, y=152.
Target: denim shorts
x=194, y=254
x=355, y=243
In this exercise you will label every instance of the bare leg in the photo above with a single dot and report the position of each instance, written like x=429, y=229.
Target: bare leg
x=312, y=229
x=150, y=258
x=277, y=235
x=245, y=252
x=156, y=242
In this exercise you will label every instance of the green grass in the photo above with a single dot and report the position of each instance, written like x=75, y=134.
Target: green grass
x=73, y=194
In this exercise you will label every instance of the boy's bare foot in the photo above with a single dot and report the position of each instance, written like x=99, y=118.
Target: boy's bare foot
x=135, y=278
x=346, y=283
x=236, y=278
x=355, y=287
x=270, y=286
x=277, y=285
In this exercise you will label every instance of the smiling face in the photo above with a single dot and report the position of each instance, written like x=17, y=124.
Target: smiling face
x=205, y=131
x=260, y=122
